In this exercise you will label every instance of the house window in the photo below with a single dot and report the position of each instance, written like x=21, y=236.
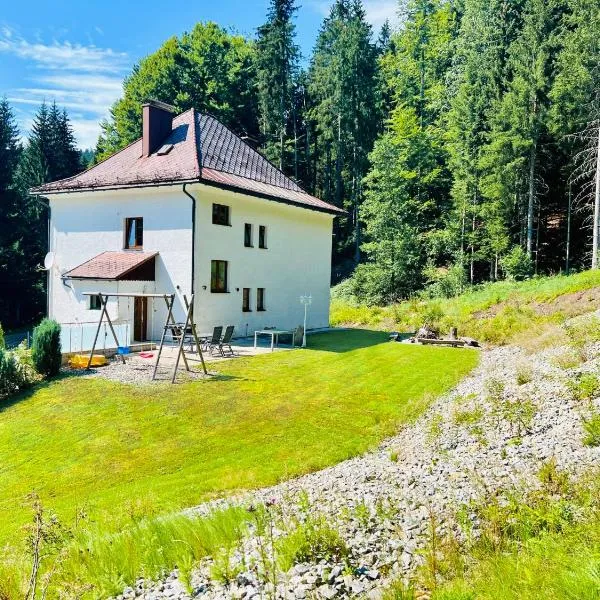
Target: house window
x=248, y=235
x=218, y=276
x=95, y=302
x=246, y=300
x=220, y=214
x=260, y=299
x=134, y=233
x=262, y=236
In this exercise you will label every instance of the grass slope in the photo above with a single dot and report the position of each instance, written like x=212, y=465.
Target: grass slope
x=120, y=451
x=495, y=312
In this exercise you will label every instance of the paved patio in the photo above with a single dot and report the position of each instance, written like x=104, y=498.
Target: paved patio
x=242, y=347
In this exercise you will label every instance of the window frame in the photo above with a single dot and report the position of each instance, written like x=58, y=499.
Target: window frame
x=215, y=263
x=246, y=300
x=248, y=235
x=92, y=302
x=262, y=237
x=138, y=223
x=216, y=217
x=260, y=300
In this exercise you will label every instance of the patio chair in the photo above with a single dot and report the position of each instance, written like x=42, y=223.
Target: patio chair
x=177, y=332
x=295, y=336
x=225, y=343
x=213, y=342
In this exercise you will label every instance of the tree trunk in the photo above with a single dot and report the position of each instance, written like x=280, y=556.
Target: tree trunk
x=596, y=207
x=531, y=198
x=568, y=252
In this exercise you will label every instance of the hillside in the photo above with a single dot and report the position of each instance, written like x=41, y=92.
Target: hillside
x=497, y=313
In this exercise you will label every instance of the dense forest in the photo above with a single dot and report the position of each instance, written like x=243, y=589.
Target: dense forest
x=464, y=144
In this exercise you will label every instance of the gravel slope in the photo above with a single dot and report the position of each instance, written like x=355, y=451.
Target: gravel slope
x=490, y=432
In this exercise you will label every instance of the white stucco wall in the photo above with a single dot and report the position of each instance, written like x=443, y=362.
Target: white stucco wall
x=297, y=259
x=85, y=224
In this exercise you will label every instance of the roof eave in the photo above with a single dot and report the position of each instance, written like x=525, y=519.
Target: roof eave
x=337, y=212
x=122, y=186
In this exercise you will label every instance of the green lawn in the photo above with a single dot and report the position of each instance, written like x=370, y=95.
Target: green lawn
x=117, y=450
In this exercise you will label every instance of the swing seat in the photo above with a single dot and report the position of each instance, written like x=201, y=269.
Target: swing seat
x=80, y=361
x=123, y=350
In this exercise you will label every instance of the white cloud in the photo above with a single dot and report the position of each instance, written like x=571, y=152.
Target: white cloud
x=376, y=11
x=64, y=55
x=86, y=80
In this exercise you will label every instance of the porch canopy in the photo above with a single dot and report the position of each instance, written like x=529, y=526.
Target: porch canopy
x=123, y=265
x=170, y=324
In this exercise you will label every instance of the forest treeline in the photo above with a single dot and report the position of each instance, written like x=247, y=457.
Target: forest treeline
x=463, y=143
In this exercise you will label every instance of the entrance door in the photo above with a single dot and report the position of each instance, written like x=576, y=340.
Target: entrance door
x=140, y=319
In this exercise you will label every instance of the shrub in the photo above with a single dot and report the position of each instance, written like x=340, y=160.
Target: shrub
x=524, y=374
x=2, y=343
x=311, y=541
x=45, y=349
x=584, y=387
x=516, y=264
x=445, y=282
x=591, y=425
x=12, y=377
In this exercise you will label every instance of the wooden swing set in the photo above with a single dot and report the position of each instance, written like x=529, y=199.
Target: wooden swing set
x=170, y=325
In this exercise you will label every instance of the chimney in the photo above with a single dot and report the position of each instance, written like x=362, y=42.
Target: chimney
x=157, y=123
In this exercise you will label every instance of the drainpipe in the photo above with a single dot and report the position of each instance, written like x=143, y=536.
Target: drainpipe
x=193, y=233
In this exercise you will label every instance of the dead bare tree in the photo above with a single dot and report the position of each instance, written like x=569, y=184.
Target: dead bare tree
x=586, y=179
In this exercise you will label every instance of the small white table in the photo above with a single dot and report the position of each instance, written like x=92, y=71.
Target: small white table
x=274, y=333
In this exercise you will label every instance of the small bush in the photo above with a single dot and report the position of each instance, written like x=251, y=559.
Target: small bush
x=516, y=264
x=13, y=375
x=45, y=349
x=311, y=541
x=584, y=387
x=468, y=418
x=2, y=343
x=494, y=390
x=434, y=428
x=445, y=282
x=568, y=358
x=524, y=374
x=591, y=425
x=583, y=331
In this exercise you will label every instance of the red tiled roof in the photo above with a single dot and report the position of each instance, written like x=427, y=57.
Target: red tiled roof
x=203, y=150
x=110, y=265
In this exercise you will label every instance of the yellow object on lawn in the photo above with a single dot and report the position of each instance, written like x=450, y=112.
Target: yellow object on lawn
x=80, y=361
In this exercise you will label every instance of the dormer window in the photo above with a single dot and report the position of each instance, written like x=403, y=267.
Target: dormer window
x=134, y=233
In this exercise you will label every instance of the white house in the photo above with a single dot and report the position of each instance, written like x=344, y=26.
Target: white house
x=188, y=208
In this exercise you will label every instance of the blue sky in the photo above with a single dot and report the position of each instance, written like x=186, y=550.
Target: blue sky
x=77, y=52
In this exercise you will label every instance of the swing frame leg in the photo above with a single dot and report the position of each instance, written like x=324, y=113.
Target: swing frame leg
x=169, y=300
x=104, y=302
x=180, y=351
x=194, y=331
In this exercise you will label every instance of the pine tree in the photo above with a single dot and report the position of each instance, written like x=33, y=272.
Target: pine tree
x=519, y=125
x=10, y=219
x=575, y=113
x=343, y=89
x=276, y=68
x=407, y=186
x=475, y=84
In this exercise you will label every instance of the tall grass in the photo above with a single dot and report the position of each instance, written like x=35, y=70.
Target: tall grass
x=543, y=543
x=93, y=563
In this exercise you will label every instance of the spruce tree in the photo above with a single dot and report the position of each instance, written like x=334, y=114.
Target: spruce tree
x=276, y=68
x=343, y=89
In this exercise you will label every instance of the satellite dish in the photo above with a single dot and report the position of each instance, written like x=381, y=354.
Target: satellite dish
x=49, y=261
